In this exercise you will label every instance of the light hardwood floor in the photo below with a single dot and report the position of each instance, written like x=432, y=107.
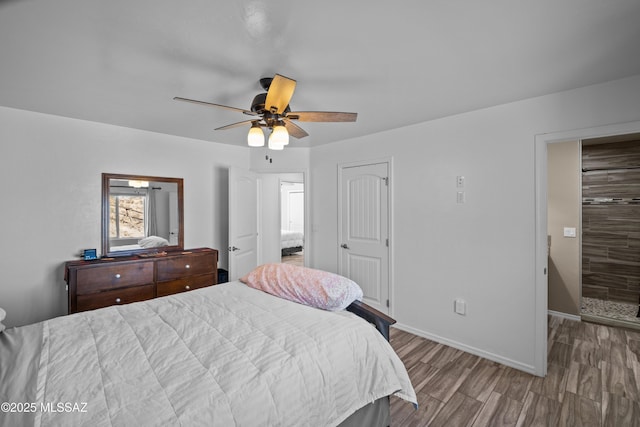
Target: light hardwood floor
x=295, y=259
x=593, y=379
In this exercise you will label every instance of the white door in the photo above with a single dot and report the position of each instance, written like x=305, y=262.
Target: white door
x=243, y=222
x=296, y=211
x=364, y=230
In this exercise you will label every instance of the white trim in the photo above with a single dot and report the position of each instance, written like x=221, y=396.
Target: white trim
x=541, y=303
x=390, y=228
x=564, y=315
x=530, y=369
x=541, y=256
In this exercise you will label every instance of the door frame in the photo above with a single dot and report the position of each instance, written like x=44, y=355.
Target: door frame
x=390, y=213
x=541, y=256
x=306, y=182
x=288, y=205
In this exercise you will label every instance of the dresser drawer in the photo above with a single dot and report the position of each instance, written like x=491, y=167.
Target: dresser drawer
x=188, y=265
x=185, y=284
x=115, y=297
x=106, y=277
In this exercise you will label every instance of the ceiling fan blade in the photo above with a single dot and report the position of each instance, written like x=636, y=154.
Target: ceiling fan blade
x=234, y=125
x=279, y=93
x=210, y=104
x=322, y=116
x=294, y=130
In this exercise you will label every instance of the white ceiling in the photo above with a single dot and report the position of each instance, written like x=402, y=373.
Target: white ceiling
x=394, y=63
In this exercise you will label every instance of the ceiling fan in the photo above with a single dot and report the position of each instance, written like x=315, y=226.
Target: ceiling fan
x=271, y=110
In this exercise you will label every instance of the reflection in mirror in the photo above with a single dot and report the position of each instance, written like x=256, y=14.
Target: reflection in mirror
x=141, y=214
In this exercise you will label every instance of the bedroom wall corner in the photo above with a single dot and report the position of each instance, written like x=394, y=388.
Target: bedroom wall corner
x=51, y=168
x=484, y=250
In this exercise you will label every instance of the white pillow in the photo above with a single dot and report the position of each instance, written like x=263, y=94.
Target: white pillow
x=153, y=242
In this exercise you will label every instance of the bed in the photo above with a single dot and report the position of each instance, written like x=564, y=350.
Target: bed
x=291, y=242
x=145, y=243
x=223, y=355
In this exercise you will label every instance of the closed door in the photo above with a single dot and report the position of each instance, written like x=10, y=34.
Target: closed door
x=243, y=222
x=364, y=230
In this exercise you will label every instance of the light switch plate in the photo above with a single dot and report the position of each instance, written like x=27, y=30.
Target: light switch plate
x=569, y=232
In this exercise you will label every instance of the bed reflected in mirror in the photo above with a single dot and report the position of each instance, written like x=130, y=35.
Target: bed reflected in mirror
x=141, y=214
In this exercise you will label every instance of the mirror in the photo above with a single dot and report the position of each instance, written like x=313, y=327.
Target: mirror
x=141, y=214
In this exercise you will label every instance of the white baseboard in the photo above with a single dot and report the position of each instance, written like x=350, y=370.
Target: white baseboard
x=530, y=369
x=564, y=315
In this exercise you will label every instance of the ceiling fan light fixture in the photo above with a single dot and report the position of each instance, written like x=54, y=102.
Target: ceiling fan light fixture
x=271, y=110
x=273, y=145
x=136, y=183
x=279, y=135
x=255, y=138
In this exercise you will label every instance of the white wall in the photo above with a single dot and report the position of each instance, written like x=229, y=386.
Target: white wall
x=564, y=205
x=51, y=170
x=482, y=251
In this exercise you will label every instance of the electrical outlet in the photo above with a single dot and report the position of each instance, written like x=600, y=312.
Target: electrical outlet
x=460, y=181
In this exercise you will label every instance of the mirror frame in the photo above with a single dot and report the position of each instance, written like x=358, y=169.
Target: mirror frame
x=106, y=178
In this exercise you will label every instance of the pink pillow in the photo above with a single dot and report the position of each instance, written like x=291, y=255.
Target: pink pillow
x=308, y=286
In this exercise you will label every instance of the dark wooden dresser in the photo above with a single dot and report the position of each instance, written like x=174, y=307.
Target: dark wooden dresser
x=104, y=282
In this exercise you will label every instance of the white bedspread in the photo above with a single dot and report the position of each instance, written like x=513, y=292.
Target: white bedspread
x=220, y=356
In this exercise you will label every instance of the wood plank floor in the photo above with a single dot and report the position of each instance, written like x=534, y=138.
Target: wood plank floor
x=593, y=379
x=295, y=259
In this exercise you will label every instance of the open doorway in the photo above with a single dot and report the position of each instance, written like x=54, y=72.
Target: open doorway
x=611, y=230
x=292, y=221
x=273, y=218
x=542, y=143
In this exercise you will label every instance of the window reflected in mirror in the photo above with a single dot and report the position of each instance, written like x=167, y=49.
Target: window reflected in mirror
x=141, y=214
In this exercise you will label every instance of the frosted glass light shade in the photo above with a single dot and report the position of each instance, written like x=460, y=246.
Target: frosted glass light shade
x=255, y=137
x=280, y=136
x=273, y=144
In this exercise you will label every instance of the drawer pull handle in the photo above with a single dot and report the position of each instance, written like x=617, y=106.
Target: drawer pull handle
x=187, y=266
x=187, y=287
x=118, y=300
x=118, y=276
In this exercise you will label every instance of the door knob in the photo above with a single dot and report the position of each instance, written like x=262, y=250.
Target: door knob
x=233, y=248
x=344, y=246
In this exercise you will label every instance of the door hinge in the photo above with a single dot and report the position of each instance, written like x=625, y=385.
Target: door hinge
x=386, y=180
x=387, y=242
x=387, y=303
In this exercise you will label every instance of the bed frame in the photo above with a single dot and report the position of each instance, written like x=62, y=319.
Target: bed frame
x=380, y=320
x=377, y=413
x=291, y=251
